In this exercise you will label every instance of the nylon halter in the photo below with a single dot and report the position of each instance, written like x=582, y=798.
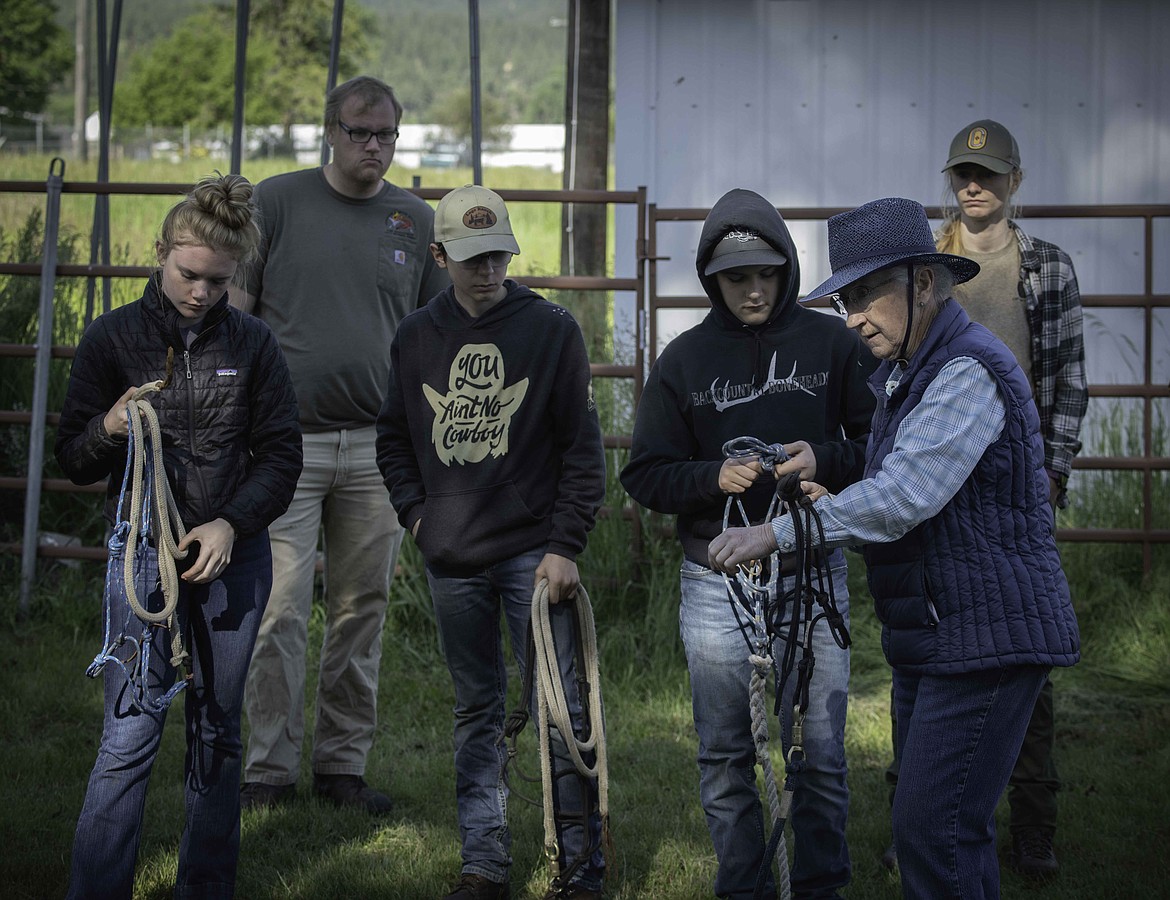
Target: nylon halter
x=761, y=619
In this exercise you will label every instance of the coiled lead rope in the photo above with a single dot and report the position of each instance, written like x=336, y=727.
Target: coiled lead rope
x=552, y=704
x=152, y=510
x=543, y=674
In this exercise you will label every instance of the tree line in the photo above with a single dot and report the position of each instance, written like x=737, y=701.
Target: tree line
x=176, y=60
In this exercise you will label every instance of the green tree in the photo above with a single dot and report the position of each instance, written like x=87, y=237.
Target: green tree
x=188, y=76
x=35, y=53
x=546, y=101
x=184, y=78
x=423, y=51
x=453, y=112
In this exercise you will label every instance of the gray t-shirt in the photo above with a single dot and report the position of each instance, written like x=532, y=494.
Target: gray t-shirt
x=333, y=279
x=992, y=298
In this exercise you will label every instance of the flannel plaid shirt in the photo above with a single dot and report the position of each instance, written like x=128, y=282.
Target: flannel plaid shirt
x=1052, y=302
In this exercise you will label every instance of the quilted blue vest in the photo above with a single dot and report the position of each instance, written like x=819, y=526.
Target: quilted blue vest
x=980, y=585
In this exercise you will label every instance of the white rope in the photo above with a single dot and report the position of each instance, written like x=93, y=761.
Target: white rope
x=761, y=661
x=552, y=704
x=165, y=516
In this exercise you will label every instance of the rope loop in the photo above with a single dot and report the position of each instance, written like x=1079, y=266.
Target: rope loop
x=769, y=455
x=552, y=708
x=135, y=567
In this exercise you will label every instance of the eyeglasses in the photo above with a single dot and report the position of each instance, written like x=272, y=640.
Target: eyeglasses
x=859, y=298
x=363, y=135
x=497, y=259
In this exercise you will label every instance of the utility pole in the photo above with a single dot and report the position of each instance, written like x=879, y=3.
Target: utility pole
x=583, y=225
x=81, y=80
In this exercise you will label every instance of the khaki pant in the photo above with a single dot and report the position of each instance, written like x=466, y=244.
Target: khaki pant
x=340, y=496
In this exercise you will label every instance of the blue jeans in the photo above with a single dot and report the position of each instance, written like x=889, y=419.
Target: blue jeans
x=960, y=735
x=219, y=622
x=717, y=658
x=467, y=611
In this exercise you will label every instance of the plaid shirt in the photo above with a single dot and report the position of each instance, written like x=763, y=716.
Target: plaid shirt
x=1052, y=300
x=936, y=448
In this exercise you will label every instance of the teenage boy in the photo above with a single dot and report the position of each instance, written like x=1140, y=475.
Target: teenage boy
x=759, y=365
x=490, y=446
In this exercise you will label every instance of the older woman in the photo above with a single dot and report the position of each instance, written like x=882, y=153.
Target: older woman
x=958, y=537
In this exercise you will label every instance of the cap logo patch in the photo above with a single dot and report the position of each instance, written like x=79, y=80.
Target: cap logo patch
x=977, y=139
x=479, y=217
x=742, y=237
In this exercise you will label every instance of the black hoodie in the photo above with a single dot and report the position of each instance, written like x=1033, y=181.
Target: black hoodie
x=489, y=433
x=799, y=376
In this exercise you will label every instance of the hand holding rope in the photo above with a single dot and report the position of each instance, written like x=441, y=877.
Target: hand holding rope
x=745, y=552
x=169, y=528
x=543, y=673
x=152, y=511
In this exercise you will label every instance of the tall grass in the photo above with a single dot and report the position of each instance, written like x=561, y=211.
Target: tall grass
x=135, y=219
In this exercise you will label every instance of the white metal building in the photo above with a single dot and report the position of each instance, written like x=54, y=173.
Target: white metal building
x=837, y=102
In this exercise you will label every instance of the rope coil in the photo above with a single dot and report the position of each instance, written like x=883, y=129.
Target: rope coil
x=135, y=568
x=544, y=675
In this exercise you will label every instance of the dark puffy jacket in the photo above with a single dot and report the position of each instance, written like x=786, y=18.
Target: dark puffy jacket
x=231, y=442
x=979, y=585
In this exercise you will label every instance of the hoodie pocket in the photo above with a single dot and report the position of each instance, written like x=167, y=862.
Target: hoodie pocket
x=473, y=529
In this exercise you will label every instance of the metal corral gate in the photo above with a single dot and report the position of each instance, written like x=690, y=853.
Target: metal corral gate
x=1147, y=391
x=38, y=416
x=643, y=285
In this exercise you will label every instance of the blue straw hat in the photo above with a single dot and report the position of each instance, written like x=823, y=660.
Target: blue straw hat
x=879, y=234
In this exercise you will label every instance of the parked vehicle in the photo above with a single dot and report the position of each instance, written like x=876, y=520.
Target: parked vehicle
x=446, y=155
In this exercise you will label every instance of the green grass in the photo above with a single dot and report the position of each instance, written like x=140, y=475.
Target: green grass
x=1113, y=723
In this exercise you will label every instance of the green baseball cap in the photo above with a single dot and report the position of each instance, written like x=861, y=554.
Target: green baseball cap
x=985, y=143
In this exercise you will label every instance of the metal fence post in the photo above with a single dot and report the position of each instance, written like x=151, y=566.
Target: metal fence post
x=238, y=140
x=331, y=75
x=40, y=398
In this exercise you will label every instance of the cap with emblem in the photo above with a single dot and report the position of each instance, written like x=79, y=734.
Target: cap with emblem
x=743, y=248
x=985, y=143
x=472, y=220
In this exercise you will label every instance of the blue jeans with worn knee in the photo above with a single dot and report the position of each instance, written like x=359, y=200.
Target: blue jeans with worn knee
x=717, y=658
x=219, y=621
x=468, y=612
x=960, y=735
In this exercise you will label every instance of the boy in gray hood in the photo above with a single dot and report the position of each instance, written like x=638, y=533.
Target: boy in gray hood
x=758, y=365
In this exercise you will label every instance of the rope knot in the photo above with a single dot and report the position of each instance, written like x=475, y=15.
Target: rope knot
x=769, y=455
x=788, y=488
